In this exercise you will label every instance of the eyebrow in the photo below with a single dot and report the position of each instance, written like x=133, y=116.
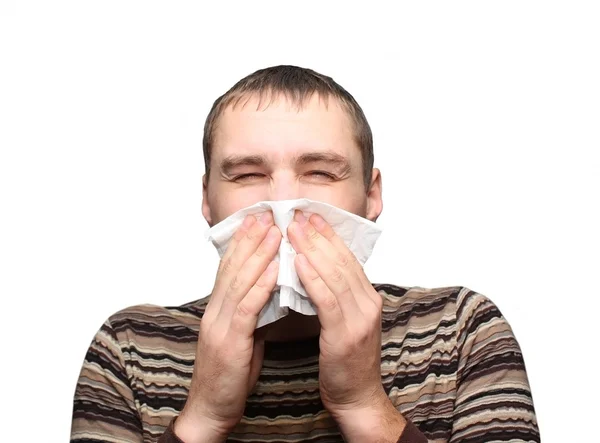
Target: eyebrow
x=339, y=162
x=334, y=159
x=235, y=161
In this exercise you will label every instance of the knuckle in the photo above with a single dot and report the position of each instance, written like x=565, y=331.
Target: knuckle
x=313, y=277
x=311, y=247
x=350, y=344
x=236, y=283
x=337, y=275
x=313, y=234
x=362, y=333
x=329, y=302
x=242, y=311
x=255, y=233
x=262, y=282
x=226, y=266
x=239, y=234
x=211, y=338
x=262, y=251
x=343, y=260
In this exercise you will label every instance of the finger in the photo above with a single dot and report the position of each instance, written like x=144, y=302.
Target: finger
x=336, y=251
x=245, y=247
x=258, y=354
x=246, y=239
x=249, y=273
x=328, y=233
x=334, y=272
x=328, y=309
x=237, y=237
x=246, y=314
x=212, y=309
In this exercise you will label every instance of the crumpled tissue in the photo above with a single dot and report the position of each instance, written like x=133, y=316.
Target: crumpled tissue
x=358, y=233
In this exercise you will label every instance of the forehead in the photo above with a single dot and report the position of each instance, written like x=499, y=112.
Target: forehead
x=281, y=129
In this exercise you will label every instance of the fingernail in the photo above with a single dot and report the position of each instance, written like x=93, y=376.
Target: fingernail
x=300, y=218
x=266, y=218
x=318, y=221
x=272, y=233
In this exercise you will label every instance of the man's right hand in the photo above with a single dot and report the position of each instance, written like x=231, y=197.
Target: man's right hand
x=229, y=356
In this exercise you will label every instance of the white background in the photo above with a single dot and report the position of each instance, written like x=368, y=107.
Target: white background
x=486, y=118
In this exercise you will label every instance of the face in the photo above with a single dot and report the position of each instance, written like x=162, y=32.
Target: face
x=280, y=153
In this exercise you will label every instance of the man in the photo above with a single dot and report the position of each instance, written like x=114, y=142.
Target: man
x=379, y=363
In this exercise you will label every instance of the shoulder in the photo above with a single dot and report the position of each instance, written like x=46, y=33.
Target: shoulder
x=153, y=321
x=416, y=300
x=469, y=319
x=456, y=305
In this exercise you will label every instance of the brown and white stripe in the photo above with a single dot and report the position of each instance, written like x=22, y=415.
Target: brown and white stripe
x=450, y=364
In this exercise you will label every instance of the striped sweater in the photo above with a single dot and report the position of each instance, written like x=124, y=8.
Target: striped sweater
x=449, y=363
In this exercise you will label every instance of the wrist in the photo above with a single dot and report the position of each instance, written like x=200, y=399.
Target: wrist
x=376, y=422
x=192, y=428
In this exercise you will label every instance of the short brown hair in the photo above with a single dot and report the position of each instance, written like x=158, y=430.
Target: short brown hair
x=297, y=85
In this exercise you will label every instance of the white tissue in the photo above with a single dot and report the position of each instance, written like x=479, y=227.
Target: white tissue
x=358, y=233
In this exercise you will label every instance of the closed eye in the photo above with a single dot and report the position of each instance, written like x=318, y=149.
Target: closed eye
x=246, y=177
x=254, y=176
x=322, y=174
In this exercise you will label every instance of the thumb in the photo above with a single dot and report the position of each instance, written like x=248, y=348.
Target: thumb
x=257, y=358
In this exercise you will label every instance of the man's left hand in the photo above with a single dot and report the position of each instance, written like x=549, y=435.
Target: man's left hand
x=349, y=311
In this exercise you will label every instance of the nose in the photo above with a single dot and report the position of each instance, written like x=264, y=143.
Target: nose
x=284, y=186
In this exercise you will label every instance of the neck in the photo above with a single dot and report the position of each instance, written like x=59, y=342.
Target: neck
x=292, y=327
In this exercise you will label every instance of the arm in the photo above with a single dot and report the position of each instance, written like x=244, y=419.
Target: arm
x=493, y=400
x=493, y=395
x=103, y=407
x=349, y=310
x=106, y=406
x=380, y=424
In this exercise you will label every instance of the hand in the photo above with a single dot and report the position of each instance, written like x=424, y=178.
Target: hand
x=349, y=310
x=229, y=354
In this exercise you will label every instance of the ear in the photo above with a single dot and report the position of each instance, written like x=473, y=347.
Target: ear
x=206, y=212
x=374, y=199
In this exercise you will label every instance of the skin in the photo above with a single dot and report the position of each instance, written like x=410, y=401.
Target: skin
x=281, y=153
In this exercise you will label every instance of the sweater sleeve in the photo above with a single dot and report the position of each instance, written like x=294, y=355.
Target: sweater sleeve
x=493, y=400
x=104, y=408
x=411, y=434
x=169, y=436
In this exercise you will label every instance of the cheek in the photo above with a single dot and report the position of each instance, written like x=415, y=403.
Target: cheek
x=347, y=198
x=225, y=202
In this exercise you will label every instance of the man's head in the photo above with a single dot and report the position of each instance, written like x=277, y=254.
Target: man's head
x=283, y=133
